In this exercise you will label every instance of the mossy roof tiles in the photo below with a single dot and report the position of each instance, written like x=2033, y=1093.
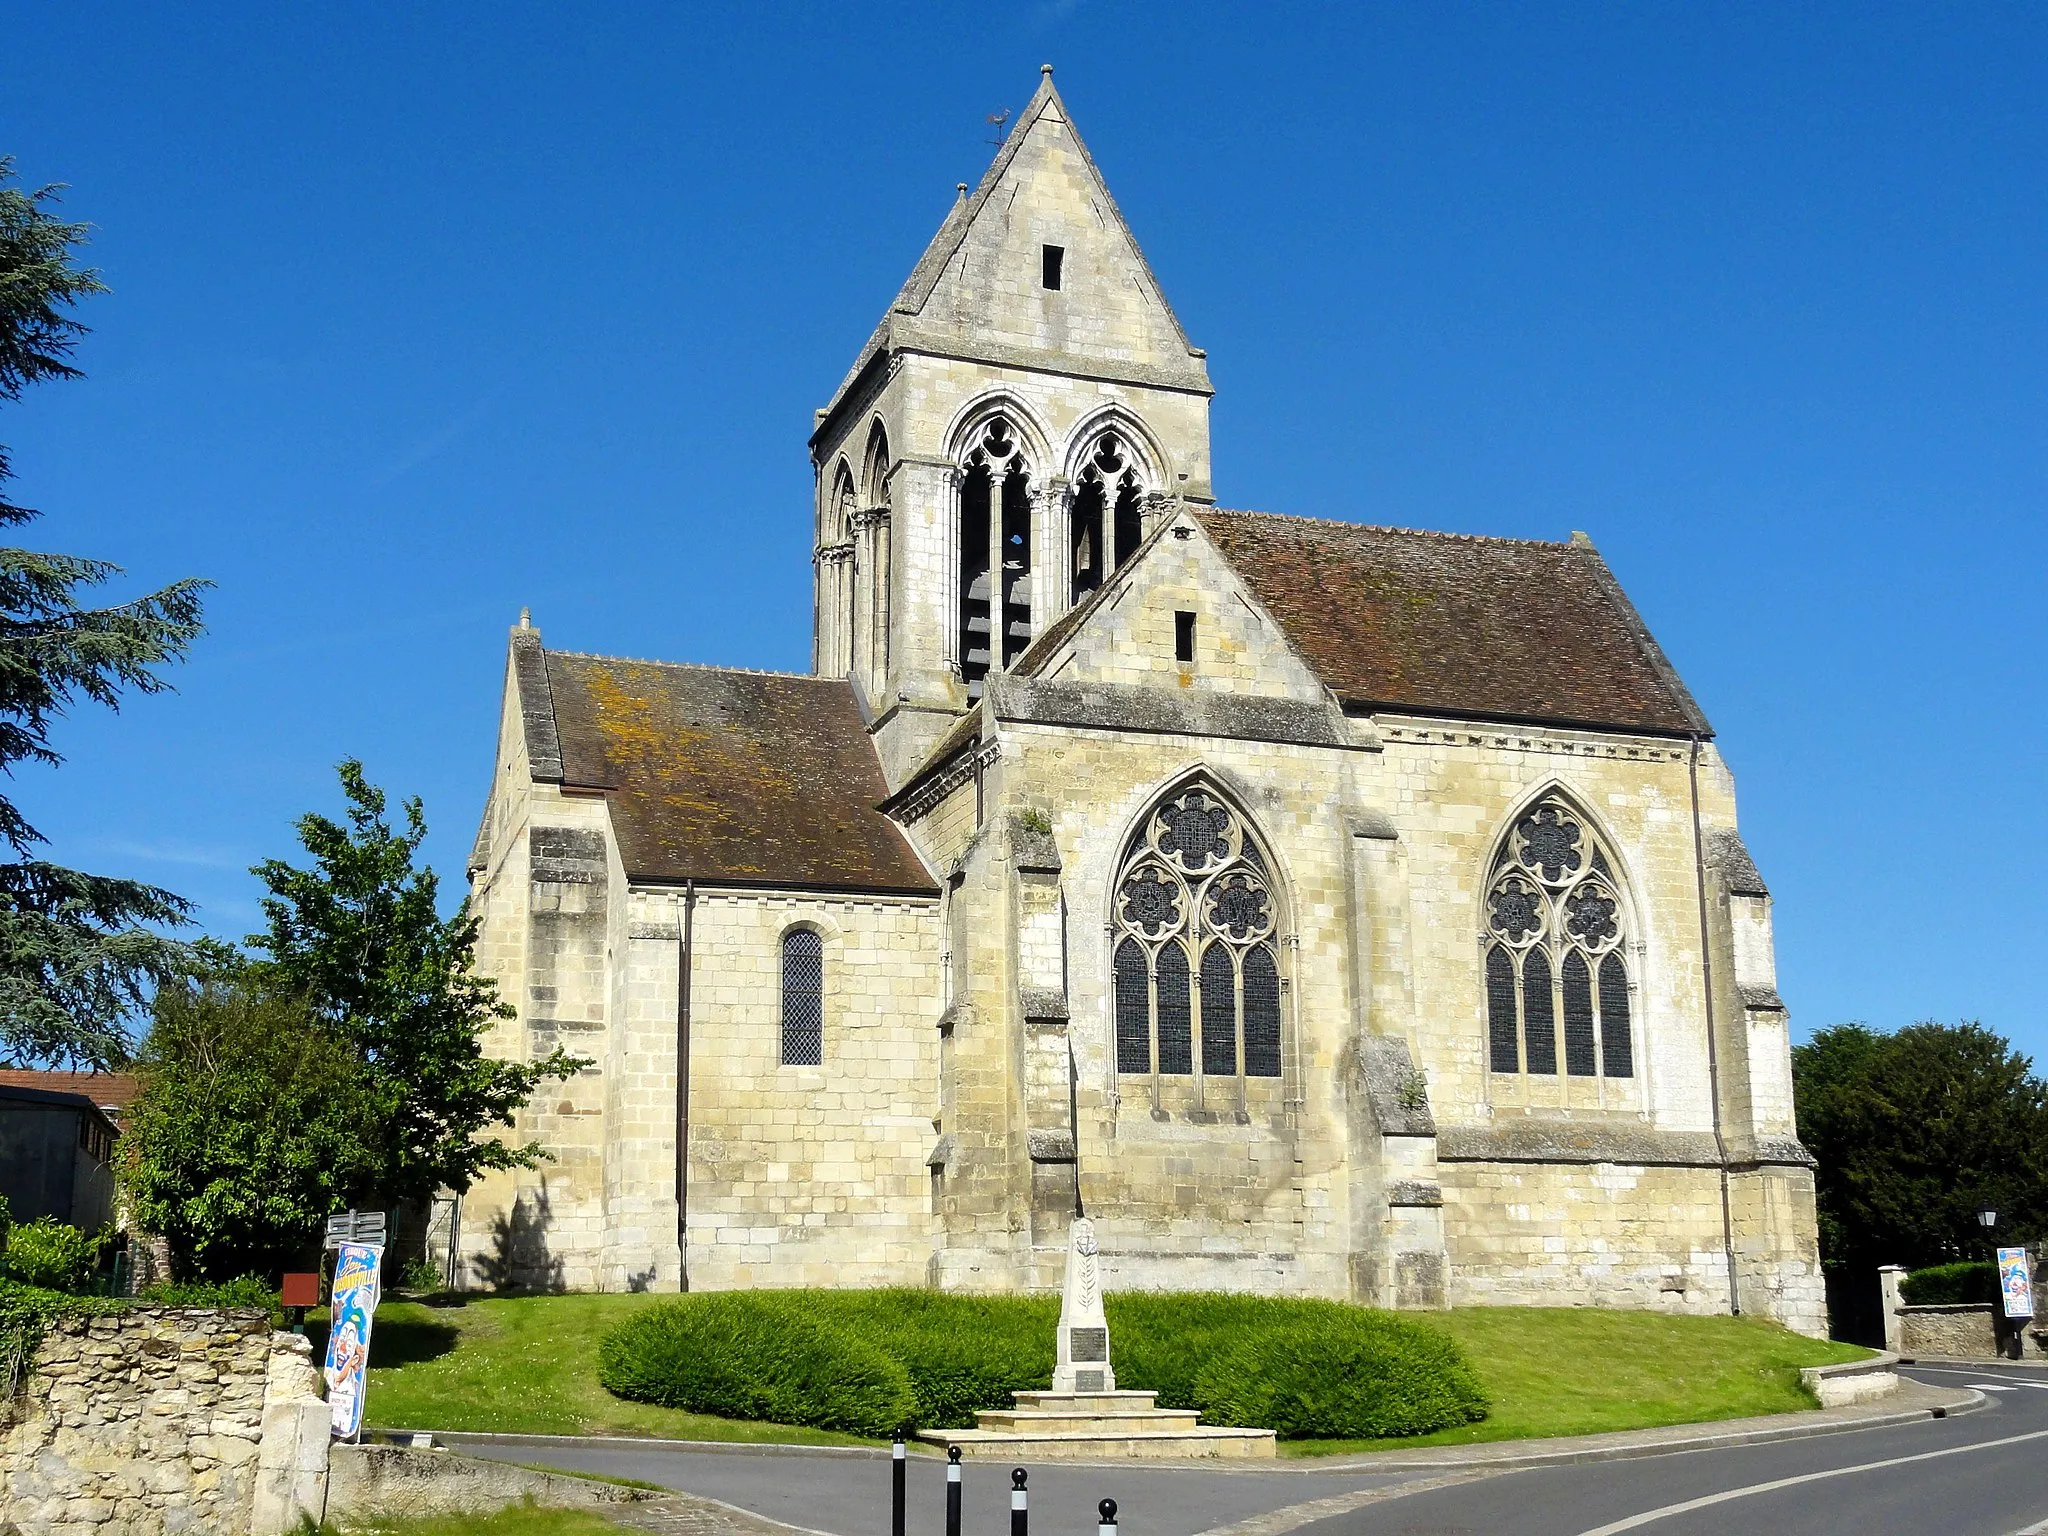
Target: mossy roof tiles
x=730, y=777
x=1458, y=626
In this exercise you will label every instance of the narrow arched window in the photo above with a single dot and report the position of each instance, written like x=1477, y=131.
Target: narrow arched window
x=1103, y=521
x=995, y=555
x=1195, y=964
x=1556, y=960
x=803, y=998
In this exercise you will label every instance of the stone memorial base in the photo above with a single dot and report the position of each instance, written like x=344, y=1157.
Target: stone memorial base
x=1100, y=1426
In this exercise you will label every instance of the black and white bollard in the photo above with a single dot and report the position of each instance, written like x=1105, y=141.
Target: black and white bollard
x=1020, y=1515
x=1107, y=1511
x=896, y=1490
x=952, y=1490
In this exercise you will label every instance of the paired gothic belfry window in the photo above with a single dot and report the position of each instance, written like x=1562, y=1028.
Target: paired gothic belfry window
x=1195, y=958
x=1104, y=523
x=803, y=998
x=1556, y=951
x=995, y=554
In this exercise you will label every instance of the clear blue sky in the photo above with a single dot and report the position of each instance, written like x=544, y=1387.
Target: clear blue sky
x=418, y=318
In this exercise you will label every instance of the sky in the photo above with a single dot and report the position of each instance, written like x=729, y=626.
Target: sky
x=423, y=315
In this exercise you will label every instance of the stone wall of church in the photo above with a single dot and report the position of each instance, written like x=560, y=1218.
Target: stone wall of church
x=810, y=1175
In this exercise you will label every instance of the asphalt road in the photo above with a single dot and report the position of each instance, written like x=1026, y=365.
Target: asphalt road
x=1978, y=1474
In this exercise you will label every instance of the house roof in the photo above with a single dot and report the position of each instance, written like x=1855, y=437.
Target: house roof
x=720, y=775
x=110, y=1091
x=1457, y=625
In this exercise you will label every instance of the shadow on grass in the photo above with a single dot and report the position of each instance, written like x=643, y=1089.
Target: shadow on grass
x=394, y=1340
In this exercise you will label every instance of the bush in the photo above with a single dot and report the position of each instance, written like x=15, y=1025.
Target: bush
x=1951, y=1285
x=1304, y=1368
x=1344, y=1372
x=47, y=1254
x=748, y=1355
x=249, y=1291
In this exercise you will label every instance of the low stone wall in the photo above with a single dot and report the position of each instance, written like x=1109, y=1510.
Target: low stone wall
x=365, y=1481
x=152, y=1421
x=1966, y=1332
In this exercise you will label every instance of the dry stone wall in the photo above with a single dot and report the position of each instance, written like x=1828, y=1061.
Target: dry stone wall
x=149, y=1422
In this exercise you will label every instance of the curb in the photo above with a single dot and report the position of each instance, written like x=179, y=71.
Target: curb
x=1624, y=1445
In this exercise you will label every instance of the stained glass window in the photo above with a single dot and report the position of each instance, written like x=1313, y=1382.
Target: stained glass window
x=1578, y=1015
x=1556, y=930
x=803, y=998
x=1219, y=1012
x=1503, y=1037
x=1617, y=1058
x=1176, y=1027
x=1539, y=1013
x=1133, y=1009
x=1195, y=894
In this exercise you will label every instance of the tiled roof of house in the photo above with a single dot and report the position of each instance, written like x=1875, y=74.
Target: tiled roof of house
x=111, y=1091
x=725, y=776
x=1454, y=625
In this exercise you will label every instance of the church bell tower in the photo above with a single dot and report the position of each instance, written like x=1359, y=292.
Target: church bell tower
x=1003, y=440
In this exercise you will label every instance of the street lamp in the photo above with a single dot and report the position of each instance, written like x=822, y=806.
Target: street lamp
x=1987, y=1219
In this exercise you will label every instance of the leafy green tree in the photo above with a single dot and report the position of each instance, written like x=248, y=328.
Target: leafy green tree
x=78, y=952
x=1915, y=1132
x=251, y=1127
x=359, y=936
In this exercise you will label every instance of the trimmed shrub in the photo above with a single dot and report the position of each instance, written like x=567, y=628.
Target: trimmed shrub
x=751, y=1355
x=1341, y=1371
x=1304, y=1368
x=960, y=1353
x=47, y=1254
x=1951, y=1285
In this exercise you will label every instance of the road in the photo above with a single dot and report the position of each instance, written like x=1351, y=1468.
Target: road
x=1978, y=1474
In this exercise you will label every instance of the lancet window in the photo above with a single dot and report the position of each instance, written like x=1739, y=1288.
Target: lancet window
x=995, y=554
x=1104, y=523
x=1195, y=957
x=1556, y=951
x=803, y=998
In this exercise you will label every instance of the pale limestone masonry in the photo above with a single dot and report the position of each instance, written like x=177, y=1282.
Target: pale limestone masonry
x=1378, y=714
x=159, y=1420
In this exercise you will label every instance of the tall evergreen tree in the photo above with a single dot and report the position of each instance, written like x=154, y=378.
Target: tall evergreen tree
x=78, y=952
x=360, y=938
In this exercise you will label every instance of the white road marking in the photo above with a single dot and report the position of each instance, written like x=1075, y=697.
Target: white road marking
x=2038, y=1528
x=1645, y=1518
x=1991, y=1386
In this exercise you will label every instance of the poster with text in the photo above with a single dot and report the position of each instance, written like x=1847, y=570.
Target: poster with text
x=2014, y=1283
x=348, y=1335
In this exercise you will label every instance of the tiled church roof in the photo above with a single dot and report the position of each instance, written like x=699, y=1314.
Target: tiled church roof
x=725, y=776
x=1454, y=625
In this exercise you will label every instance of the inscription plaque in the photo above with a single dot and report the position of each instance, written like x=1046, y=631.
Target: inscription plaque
x=1090, y=1344
x=1087, y=1381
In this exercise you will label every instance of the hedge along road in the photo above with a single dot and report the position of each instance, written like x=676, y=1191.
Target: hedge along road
x=1979, y=1474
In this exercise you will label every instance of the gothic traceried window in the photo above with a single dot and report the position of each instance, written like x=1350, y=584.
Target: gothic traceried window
x=1556, y=951
x=995, y=554
x=1104, y=521
x=1196, y=973
x=803, y=998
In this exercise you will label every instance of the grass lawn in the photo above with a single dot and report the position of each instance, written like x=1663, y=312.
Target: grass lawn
x=528, y=1365
x=520, y=1520
x=1577, y=1371
x=525, y=1365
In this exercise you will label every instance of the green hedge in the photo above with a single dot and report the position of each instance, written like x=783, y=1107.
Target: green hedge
x=1951, y=1285
x=869, y=1361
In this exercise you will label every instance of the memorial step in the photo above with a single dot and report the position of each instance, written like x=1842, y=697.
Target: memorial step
x=1046, y=1421
x=1198, y=1444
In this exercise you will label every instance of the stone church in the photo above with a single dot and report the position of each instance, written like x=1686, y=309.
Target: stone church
x=1323, y=908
